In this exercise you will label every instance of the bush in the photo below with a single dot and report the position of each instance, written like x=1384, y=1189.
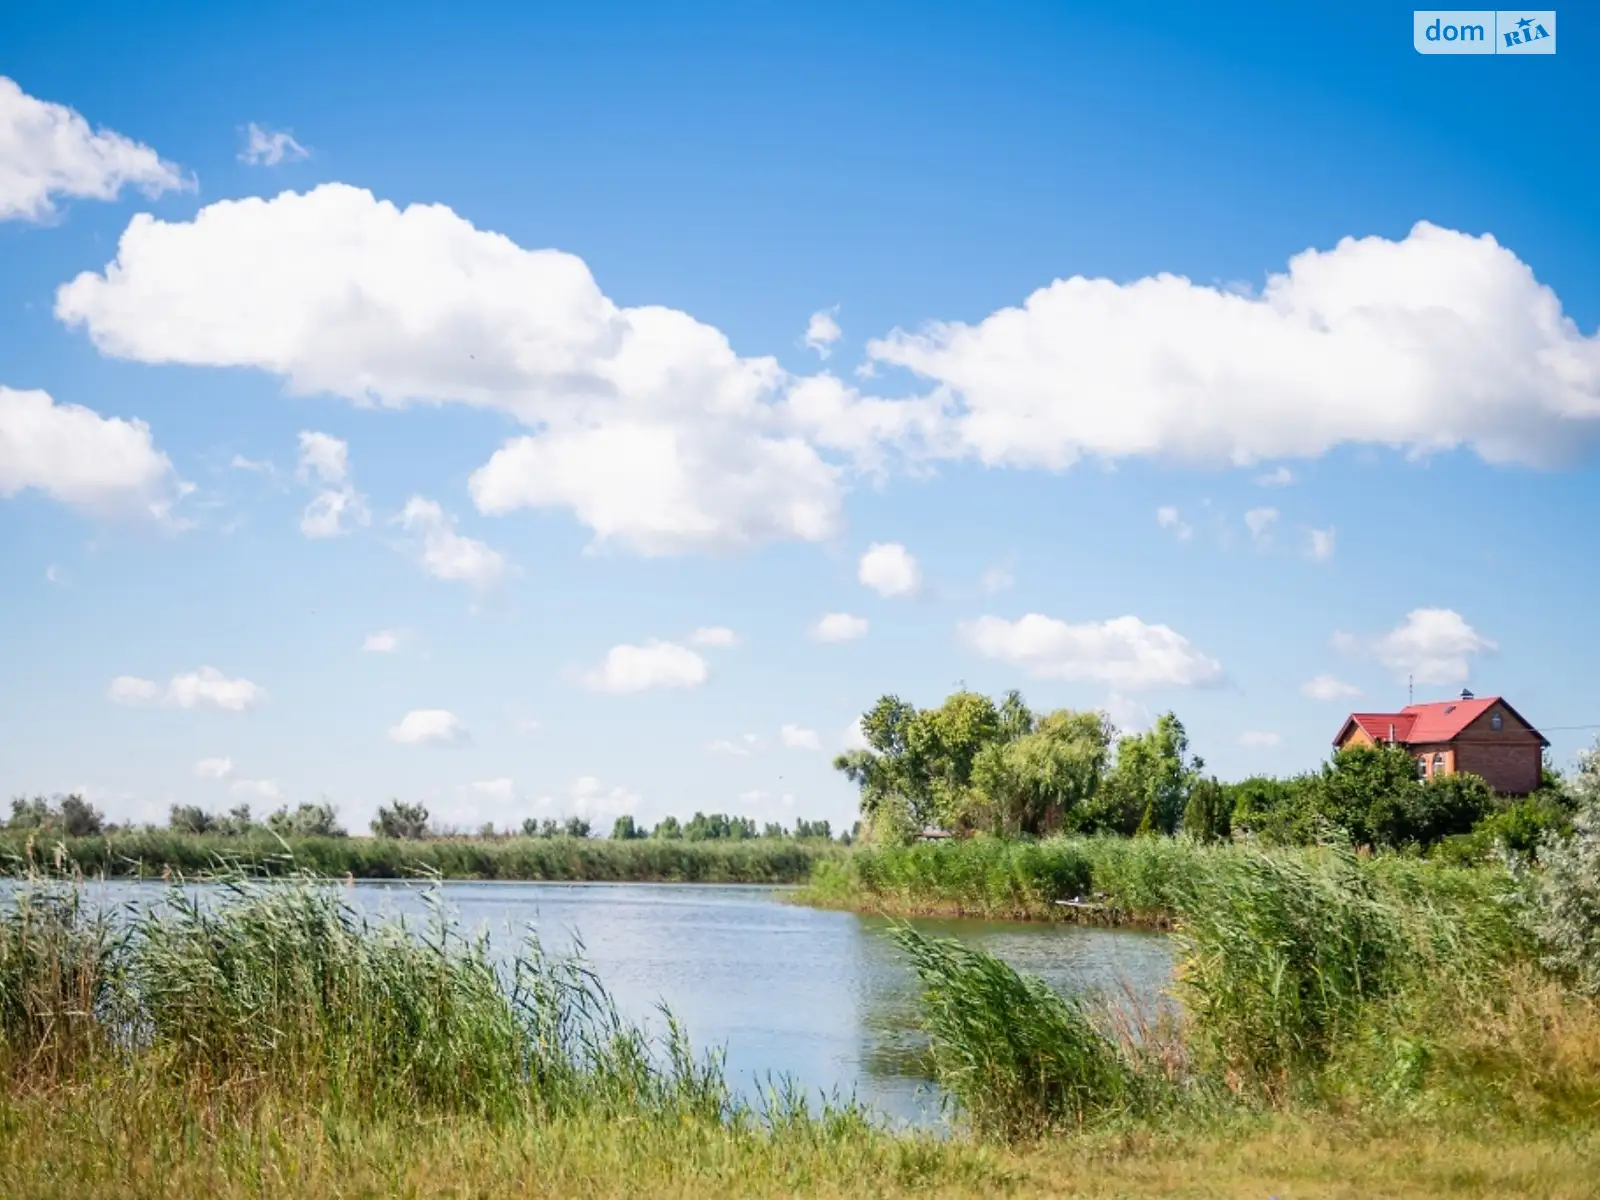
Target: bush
x=401, y=820
x=1566, y=913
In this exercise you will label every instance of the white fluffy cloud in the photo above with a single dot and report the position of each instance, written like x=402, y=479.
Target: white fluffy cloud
x=269, y=147
x=1277, y=477
x=213, y=768
x=651, y=429
x=655, y=664
x=337, y=507
x=205, y=688
x=1124, y=652
x=797, y=737
x=1435, y=341
x=1168, y=517
x=854, y=737
x=822, y=331
x=48, y=151
x=714, y=636
x=1259, y=521
x=839, y=627
x=746, y=745
x=1328, y=687
x=429, y=727
x=587, y=797
x=105, y=466
x=1432, y=646
x=889, y=569
x=446, y=554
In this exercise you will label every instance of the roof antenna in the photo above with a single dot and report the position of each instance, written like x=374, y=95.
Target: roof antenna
x=1411, y=690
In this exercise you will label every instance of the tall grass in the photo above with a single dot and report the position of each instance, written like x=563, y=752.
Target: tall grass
x=152, y=852
x=284, y=985
x=1017, y=1058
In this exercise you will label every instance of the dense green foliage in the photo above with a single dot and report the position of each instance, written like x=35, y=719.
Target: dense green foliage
x=974, y=766
x=152, y=852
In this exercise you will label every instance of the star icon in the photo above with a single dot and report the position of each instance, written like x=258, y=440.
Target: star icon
x=1524, y=23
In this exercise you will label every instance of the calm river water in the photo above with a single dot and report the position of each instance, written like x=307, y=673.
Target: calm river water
x=822, y=997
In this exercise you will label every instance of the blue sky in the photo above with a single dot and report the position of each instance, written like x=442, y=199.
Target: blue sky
x=481, y=340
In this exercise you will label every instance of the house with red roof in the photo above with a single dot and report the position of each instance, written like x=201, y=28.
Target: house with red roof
x=1485, y=737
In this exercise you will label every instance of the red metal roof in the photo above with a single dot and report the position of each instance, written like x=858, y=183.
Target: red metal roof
x=1419, y=723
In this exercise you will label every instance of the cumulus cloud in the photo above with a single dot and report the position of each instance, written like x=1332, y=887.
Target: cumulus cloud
x=48, y=151
x=269, y=147
x=889, y=569
x=822, y=331
x=1431, y=646
x=651, y=429
x=1259, y=522
x=429, y=727
x=446, y=554
x=104, y=466
x=1167, y=517
x=1124, y=652
x=1319, y=544
x=715, y=636
x=797, y=737
x=1436, y=341
x=1259, y=740
x=745, y=746
x=205, y=688
x=213, y=768
x=839, y=627
x=654, y=665
x=655, y=433
x=385, y=641
x=587, y=797
x=337, y=507
x=1126, y=713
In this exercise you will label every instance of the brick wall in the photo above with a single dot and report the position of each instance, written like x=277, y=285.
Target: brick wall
x=1510, y=767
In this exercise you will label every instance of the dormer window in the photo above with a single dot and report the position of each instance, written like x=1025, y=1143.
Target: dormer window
x=1495, y=722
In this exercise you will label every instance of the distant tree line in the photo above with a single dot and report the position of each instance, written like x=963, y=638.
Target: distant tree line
x=72, y=816
x=974, y=765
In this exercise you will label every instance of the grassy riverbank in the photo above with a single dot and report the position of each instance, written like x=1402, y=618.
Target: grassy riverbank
x=1138, y=881
x=1348, y=1029
x=151, y=852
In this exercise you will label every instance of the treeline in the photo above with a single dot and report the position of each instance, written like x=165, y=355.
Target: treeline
x=73, y=816
x=972, y=765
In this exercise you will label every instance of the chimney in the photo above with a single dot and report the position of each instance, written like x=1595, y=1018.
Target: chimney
x=1391, y=731
x=1466, y=695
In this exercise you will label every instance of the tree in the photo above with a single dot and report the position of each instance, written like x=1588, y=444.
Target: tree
x=67, y=816
x=1034, y=783
x=668, y=828
x=771, y=829
x=1149, y=786
x=317, y=820
x=624, y=830
x=79, y=818
x=807, y=830
x=189, y=818
x=401, y=820
x=1208, y=815
x=575, y=827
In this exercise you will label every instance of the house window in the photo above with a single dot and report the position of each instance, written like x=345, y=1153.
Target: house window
x=1438, y=764
x=1422, y=766
x=1495, y=722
